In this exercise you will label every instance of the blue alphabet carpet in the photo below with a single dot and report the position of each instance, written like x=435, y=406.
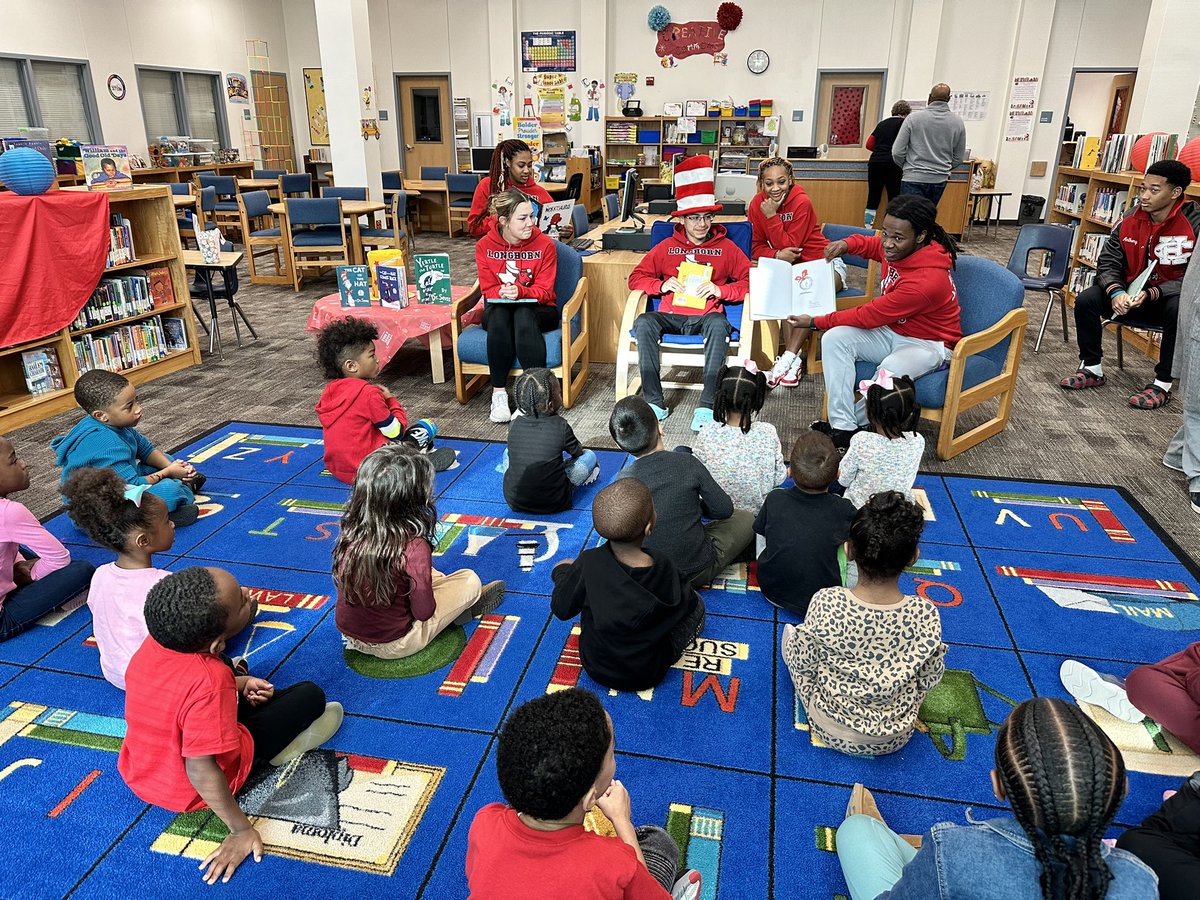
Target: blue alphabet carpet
x=1026, y=574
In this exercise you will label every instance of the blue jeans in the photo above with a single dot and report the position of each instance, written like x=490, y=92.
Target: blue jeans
x=25, y=605
x=578, y=469
x=930, y=191
x=872, y=856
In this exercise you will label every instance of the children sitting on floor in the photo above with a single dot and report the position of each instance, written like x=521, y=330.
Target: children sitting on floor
x=886, y=456
x=802, y=528
x=536, y=477
x=1168, y=841
x=863, y=660
x=133, y=523
x=743, y=456
x=683, y=492
x=107, y=438
x=1064, y=780
x=555, y=761
x=194, y=730
x=357, y=415
x=391, y=601
x=49, y=578
x=637, y=612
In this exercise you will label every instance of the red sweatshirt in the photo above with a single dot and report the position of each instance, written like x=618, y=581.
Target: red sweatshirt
x=795, y=225
x=731, y=269
x=532, y=265
x=355, y=416
x=478, y=220
x=918, y=298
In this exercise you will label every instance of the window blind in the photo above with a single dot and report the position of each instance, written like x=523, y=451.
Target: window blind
x=59, y=89
x=158, y=104
x=13, y=114
x=201, y=106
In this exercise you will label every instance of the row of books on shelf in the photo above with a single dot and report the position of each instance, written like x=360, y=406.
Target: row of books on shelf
x=1113, y=154
x=120, y=241
x=129, y=295
x=1108, y=205
x=621, y=133
x=131, y=346
x=1070, y=197
x=1091, y=245
x=1081, y=278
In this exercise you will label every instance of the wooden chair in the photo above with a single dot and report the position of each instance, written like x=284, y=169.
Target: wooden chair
x=262, y=238
x=460, y=191
x=611, y=207
x=566, y=346
x=316, y=236
x=226, y=212
x=682, y=350
x=399, y=235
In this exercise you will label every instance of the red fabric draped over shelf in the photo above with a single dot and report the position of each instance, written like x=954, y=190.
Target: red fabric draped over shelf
x=53, y=248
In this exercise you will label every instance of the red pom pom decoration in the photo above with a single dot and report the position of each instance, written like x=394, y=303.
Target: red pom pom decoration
x=1189, y=155
x=729, y=16
x=1141, y=151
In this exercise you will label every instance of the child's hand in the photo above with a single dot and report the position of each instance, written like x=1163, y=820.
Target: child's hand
x=673, y=286
x=257, y=690
x=615, y=803
x=23, y=572
x=708, y=289
x=789, y=255
x=176, y=469
x=387, y=395
x=226, y=858
x=771, y=207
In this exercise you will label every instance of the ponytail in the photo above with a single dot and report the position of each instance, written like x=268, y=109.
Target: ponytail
x=497, y=177
x=921, y=214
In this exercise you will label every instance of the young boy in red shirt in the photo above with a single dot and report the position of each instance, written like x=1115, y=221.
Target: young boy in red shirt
x=357, y=415
x=194, y=728
x=536, y=848
x=696, y=239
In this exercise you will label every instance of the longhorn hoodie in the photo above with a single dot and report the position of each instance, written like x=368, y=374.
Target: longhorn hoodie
x=532, y=265
x=795, y=225
x=917, y=296
x=731, y=269
x=357, y=419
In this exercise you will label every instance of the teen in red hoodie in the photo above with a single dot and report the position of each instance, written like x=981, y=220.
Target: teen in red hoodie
x=512, y=167
x=358, y=416
x=516, y=262
x=909, y=329
x=785, y=226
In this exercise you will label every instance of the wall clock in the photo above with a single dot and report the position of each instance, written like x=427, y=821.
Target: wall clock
x=757, y=61
x=116, y=87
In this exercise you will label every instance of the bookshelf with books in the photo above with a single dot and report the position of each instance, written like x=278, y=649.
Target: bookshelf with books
x=138, y=319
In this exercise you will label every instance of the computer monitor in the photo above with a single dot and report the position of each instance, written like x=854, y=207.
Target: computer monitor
x=629, y=200
x=481, y=159
x=729, y=187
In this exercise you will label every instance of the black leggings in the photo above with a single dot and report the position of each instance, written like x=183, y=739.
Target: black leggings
x=514, y=332
x=277, y=722
x=882, y=174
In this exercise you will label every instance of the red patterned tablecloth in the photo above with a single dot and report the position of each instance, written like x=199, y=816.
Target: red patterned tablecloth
x=395, y=325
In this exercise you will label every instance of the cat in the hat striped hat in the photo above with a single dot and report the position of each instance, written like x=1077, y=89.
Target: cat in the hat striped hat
x=694, y=191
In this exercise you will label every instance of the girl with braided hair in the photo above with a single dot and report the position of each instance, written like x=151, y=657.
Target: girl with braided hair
x=743, y=456
x=885, y=457
x=537, y=478
x=512, y=168
x=1064, y=780
x=864, y=658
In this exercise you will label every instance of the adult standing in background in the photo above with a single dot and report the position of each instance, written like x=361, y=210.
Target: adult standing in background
x=1183, y=452
x=931, y=142
x=882, y=171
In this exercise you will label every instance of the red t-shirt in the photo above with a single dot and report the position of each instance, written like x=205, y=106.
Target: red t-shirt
x=506, y=858
x=179, y=706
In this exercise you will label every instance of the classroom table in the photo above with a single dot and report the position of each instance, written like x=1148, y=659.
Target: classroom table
x=989, y=195
x=183, y=201
x=258, y=184
x=351, y=209
x=553, y=187
x=434, y=193
x=194, y=259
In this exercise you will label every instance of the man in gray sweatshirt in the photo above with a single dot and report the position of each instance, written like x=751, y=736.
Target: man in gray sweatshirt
x=932, y=141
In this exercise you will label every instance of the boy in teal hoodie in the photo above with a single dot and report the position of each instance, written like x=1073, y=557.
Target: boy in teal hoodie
x=108, y=438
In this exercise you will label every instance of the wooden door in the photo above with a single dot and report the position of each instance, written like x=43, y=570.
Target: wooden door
x=848, y=108
x=426, y=128
x=1118, y=103
x=273, y=112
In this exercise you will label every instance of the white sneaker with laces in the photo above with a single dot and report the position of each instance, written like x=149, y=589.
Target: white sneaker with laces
x=781, y=368
x=500, y=413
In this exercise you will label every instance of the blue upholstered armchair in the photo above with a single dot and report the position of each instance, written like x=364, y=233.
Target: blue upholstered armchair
x=566, y=346
x=460, y=192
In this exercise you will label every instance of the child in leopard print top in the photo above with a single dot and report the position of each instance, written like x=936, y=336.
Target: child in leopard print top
x=864, y=659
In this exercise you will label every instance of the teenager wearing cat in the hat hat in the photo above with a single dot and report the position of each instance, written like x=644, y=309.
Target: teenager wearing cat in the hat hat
x=699, y=239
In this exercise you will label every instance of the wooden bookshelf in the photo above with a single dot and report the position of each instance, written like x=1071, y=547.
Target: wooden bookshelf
x=151, y=214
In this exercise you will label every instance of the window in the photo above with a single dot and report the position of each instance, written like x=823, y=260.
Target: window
x=177, y=103
x=427, y=114
x=47, y=93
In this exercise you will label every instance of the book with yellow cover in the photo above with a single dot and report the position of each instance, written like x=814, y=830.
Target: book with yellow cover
x=387, y=257
x=691, y=276
x=1091, y=153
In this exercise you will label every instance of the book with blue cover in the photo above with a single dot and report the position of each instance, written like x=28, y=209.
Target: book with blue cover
x=354, y=284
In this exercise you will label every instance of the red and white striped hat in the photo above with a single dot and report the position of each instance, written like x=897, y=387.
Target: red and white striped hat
x=694, y=192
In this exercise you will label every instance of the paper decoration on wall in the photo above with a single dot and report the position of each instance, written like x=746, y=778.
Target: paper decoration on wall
x=1021, y=105
x=502, y=103
x=626, y=85
x=678, y=40
x=721, y=59
x=594, y=92
x=971, y=106
x=367, y=97
x=370, y=129
x=547, y=51
x=574, y=108
x=237, y=90
x=318, y=118
x=552, y=108
x=529, y=130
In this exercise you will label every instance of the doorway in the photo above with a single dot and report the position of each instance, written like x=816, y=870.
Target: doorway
x=426, y=129
x=274, y=116
x=848, y=108
x=1098, y=101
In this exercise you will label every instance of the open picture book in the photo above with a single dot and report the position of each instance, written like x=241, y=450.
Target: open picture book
x=780, y=289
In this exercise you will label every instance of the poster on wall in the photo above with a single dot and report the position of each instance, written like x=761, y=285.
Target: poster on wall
x=529, y=130
x=503, y=99
x=318, y=118
x=971, y=106
x=547, y=51
x=237, y=90
x=551, y=89
x=1022, y=103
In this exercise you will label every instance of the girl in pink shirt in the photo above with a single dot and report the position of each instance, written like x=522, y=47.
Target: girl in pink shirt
x=30, y=588
x=134, y=523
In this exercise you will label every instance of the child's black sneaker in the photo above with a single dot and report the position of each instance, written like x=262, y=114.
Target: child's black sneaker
x=185, y=515
x=489, y=598
x=443, y=458
x=1195, y=496
x=196, y=482
x=839, y=436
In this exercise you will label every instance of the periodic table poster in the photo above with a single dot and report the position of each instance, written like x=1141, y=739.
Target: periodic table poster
x=547, y=51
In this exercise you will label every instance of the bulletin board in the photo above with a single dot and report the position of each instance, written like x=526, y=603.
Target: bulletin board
x=318, y=118
x=548, y=51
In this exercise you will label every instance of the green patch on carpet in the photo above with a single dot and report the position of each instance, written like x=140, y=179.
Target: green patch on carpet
x=76, y=738
x=442, y=651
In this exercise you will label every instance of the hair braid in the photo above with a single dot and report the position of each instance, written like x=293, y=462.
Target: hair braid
x=739, y=391
x=770, y=163
x=497, y=177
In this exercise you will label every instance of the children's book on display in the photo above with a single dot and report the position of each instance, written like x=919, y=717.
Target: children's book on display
x=354, y=285
x=781, y=289
x=432, y=272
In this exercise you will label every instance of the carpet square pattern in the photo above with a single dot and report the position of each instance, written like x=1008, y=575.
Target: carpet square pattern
x=1026, y=574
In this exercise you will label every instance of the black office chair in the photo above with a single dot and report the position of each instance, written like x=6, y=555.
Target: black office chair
x=574, y=186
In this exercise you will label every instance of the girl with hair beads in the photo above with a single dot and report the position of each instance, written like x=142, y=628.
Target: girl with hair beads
x=1064, y=780
x=784, y=226
x=133, y=523
x=512, y=169
x=744, y=456
x=887, y=457
x=391, y=601
x=864, y=659
x=536, y=477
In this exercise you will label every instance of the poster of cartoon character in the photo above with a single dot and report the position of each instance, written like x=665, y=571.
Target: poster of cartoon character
x=502, y=105
x=594, y=92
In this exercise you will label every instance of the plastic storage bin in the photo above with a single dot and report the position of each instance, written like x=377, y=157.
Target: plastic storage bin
x=708, y=137
x=714, y=109
x=649, y=136
x=741, y=110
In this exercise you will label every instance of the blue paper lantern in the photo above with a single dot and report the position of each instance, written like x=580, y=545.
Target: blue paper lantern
x=25, y=171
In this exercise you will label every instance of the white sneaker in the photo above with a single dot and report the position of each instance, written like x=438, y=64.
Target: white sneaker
x=500, y=413
x=794, y=374
x=1106, y=691
x=781, y=368
x=688, y=886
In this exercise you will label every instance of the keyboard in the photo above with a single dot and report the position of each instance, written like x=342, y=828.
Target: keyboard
x=582, y=243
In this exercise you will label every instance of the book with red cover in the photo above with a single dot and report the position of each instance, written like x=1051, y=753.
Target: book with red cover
x=162, y=293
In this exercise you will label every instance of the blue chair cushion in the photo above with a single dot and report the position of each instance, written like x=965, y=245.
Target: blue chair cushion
x=379, y=232
x=472, y=346
x=850, y=292
x=733, y=313
x=186, y=224
x=266, y=232
x=931, y=388
x=226, y=206
x=462, y=202
x=316, y=238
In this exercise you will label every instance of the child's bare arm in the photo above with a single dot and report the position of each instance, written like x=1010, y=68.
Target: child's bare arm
x=243, y=839
x=615, y=804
